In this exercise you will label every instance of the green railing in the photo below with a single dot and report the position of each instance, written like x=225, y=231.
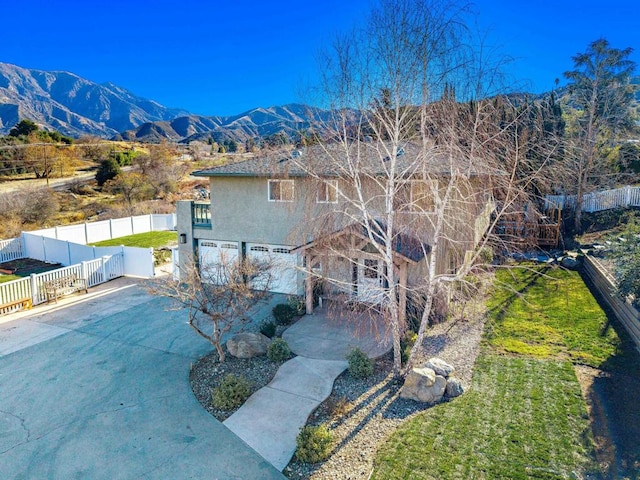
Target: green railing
x=201, y=215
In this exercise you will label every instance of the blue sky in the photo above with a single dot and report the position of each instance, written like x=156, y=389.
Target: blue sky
x=225, y=57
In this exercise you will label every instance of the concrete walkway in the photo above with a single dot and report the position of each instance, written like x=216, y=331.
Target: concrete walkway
x=97, y=387
x=271, y=418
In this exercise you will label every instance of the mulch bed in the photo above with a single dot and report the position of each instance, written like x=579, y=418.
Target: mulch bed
x=24, y=267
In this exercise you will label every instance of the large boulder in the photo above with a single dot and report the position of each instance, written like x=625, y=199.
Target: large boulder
x=248, y=345
x=424, y=385
x=454, y=387
x=439, y=366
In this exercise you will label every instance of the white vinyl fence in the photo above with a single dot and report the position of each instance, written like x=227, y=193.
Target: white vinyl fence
x=11, y=249
x=108, y=229
x=597, y=201
x=101, y=270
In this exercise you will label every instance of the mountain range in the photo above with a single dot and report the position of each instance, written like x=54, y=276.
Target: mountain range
x=74, y=106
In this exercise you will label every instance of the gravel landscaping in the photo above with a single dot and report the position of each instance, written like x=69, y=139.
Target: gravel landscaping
x=361, y=413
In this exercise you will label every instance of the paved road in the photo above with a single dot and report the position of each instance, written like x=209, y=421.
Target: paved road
x=99, y=390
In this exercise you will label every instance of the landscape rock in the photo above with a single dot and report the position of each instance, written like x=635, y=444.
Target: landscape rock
x=424, y=385
x=248, y=345
x=454, y=387
x=439, y=366
x=570, y=263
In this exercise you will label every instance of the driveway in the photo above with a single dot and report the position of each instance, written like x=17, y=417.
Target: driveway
x=99, y=389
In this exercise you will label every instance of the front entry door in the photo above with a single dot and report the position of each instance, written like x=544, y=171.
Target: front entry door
x=370, y=280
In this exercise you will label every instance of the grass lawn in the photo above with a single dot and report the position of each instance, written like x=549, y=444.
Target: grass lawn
x=524, y=415
x=8, y=278
x=144, y=240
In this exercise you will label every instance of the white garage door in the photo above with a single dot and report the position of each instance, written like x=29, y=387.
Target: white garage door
x=284, y=273
x=213, y=255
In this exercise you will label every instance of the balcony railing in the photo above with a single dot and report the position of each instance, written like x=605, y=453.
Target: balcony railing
x=201, y=215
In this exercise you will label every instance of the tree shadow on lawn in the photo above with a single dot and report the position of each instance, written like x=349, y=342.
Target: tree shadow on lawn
x=498, y=311
x=612, y=396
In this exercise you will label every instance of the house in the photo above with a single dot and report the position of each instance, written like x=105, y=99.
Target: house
x=297, y=209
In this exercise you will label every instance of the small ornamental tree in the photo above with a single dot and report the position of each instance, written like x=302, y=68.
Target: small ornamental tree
x=217, y=296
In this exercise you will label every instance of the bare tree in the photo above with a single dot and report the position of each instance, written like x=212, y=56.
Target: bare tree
x=414, y=170
x=161, y=168
x=217, y=296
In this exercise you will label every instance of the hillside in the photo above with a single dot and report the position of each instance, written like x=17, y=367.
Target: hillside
x=255, y=123
x=73, y=105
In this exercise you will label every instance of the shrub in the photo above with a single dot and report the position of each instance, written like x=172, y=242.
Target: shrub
x=313, y=444
x=296, y=302
x=231, y=393
x=278, y=350
x=283, y=314
x=360, y=366
x=407, y=342
x=268, y=329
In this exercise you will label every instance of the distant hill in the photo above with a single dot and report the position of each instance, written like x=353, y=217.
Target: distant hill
x=72, y=105
x=255, y=123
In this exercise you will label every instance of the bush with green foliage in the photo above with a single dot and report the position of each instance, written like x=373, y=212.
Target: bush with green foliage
x=297, y=303
x=313, y=444
x=625, y=253
x=107, y=170
x=231, y=393
x=268, y=329
x=283, y=314
x=360, y=365
x=278, y=350
x=407, y=342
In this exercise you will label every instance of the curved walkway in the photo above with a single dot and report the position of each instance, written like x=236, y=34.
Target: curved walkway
x=271, y=418
x=96, y=387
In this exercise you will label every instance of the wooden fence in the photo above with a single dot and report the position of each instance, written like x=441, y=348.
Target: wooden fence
x=13, y=295
x=605, y=283
x=597, y=201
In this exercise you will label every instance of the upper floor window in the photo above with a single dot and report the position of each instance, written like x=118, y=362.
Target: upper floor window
x=280, y=190
x=328, y=192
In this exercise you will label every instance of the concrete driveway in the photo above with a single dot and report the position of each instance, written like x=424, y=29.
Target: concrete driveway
x=98, y=389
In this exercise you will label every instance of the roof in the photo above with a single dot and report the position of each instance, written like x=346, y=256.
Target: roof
x=330, y=161
x=405, y=245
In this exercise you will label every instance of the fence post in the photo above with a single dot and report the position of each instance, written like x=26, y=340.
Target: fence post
x=110, y=229
x=627, y=190
x=34, y=289
x=103, y=269
x=85, y=272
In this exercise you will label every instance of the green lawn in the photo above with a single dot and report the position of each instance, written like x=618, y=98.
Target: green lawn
x=523, y=418
x=548, y=312
x=145, y=240
x=8, y=278
x=524, y=415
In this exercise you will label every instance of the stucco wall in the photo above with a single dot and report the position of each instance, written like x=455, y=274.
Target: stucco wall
x=241, y=211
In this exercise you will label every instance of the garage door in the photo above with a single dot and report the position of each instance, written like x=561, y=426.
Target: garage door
x=213, y=255
x=284, y=273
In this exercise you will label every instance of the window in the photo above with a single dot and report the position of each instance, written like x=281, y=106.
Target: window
x=328, y=192
x=281, y=190
x=370, y=268
x=259, y=248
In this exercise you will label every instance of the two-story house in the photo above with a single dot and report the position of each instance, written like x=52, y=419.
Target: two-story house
x=297, y=208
